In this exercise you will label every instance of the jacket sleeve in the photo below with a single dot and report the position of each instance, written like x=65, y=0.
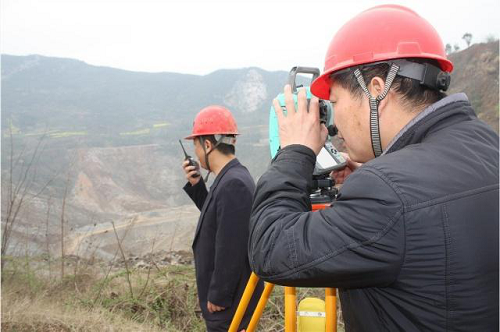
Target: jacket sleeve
x=198, y=193
x=234, y=203
x=358, y=242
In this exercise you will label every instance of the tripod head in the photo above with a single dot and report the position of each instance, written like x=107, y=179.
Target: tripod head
x=323, y=190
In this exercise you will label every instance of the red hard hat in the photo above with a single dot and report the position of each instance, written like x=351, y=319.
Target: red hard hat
x=378, y=34
x=213, y=120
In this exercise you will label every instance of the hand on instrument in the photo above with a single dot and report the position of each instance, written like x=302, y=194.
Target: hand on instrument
x=300, y=126
x=342, y=174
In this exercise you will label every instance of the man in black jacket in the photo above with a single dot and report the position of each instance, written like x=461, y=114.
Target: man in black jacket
x=220, y=242
x=411, y=241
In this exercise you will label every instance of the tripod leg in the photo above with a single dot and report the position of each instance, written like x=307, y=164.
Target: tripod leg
x=290, y=309
x=242, y=306
x=331, y=309
x=260, y=307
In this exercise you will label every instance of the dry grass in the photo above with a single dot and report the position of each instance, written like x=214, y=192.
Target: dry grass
x=41, y=314
x=95, y=298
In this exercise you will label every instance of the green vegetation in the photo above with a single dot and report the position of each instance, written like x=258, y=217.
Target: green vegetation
x=94, y=296
x=136, y=132
x=161, y=125
x=60, y=134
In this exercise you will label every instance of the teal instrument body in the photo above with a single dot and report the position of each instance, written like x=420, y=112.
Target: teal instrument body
x=274, y=134
x=329, y=158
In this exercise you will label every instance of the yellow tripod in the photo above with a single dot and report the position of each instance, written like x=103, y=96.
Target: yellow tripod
x=290, y=303
x=290, y=307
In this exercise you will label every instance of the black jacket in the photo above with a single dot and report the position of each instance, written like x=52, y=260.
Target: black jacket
x=220, y=242
x=412, y=239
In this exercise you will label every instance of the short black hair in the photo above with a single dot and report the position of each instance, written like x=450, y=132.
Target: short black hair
x=225, y=149
x=413, y=94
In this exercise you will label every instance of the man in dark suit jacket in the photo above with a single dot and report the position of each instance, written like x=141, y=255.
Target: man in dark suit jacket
x=220, y=242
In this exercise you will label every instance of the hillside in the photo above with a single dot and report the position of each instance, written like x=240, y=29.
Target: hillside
x=476, y=74
x=109, y=140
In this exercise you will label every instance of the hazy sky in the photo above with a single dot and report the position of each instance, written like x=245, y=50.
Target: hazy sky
x=199, y=37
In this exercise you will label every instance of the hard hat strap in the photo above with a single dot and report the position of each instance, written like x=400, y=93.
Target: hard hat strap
x=224, y=139
x=219, y=139
x=206, y=157
x=374, y=102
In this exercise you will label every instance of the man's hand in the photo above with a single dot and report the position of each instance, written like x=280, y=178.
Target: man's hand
x=213, y=308
x=300, y=127
x=341, y=175
x=190, y=172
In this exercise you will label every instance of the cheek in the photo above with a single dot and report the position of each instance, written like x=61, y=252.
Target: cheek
x=356, y=124
x=339, y=118
x=347, y=121
x=199, y=153
x=197, y=149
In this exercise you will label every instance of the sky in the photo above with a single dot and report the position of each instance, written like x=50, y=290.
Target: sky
x=200, y=37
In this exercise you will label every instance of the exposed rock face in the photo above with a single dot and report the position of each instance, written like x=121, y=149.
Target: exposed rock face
x=126, y=179
x=124, y=127
x=248, y=94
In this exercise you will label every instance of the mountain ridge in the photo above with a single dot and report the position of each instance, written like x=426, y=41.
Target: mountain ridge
x=110, y=136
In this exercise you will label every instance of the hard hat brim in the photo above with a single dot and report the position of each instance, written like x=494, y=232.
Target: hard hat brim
x=320, y=87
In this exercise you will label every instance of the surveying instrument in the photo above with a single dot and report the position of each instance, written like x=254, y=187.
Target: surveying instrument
x=311, y=316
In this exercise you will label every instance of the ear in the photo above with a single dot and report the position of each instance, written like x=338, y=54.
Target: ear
x=376, y=87
x=208, y=145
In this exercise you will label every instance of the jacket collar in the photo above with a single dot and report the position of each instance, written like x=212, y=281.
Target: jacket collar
x=223, y=171
x=427, y=120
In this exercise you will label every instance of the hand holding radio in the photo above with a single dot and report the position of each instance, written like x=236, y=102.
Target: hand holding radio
x=192, y=173
x=191, y=167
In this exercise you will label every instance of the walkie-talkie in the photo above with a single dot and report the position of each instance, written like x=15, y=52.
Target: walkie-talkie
x=191, y=160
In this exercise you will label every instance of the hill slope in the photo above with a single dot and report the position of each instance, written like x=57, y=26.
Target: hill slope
x=110, y=136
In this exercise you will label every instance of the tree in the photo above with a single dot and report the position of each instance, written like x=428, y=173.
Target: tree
x=468, y=38
x=19, y=187
x=491, y=38
x=16, y=193
x=448, y=49
x=456, y=48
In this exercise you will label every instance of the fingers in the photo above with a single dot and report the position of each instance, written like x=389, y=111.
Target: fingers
x=314, y=109
x=188, y=169
x=278, y=110
x=213, y=308
x=298, y=125
x=290, y=104
x=352, y=164
x=289, y=101
x=302, y=101
x=191, y=174
x=341, y=175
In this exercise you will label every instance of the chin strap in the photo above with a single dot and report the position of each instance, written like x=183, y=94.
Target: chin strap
x=374, y=102
x=220, y=139
x=206, y=157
